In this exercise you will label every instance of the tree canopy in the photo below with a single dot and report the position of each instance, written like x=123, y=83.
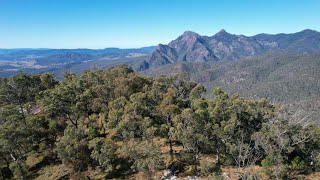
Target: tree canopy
x=118, y=124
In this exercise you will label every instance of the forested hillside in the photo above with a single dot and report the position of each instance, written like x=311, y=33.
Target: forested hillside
x=280, y=77
x=117, y=124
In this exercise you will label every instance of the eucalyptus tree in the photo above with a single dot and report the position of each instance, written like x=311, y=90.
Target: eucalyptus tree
x=189, y=130
x=146, y=156
x=288, y=147
x=22, y=130
x=67, y=100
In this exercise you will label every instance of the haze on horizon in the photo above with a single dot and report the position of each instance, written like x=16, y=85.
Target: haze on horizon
x=132, y=24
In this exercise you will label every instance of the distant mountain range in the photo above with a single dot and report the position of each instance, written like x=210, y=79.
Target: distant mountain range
x=283, y=68
x=58, y=61
x=47, y=51
x=189, y=47
x=192, y=47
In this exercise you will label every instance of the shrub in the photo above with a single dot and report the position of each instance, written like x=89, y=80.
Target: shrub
x=73, y=149
x=208, y=168
x=274, y=168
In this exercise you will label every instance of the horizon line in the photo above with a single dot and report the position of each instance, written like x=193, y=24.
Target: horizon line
x=143, y=46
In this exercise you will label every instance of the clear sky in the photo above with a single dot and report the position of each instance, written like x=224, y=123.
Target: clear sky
x=137, y=23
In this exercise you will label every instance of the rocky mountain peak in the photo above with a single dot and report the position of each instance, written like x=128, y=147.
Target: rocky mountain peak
x=190, y=34
x=223, y=34
x=222, y=31
x=185, y=41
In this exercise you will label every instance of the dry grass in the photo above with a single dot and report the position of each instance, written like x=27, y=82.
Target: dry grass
x=53, y=172
x=141, y=176
x=313, y=176
x=34, y=159
x=60, y=171
x=233, y=173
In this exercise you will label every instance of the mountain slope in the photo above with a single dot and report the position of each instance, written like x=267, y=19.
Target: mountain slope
x=281, y=77
x=277, y=75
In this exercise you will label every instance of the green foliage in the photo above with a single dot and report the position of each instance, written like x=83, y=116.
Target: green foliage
x=317, y=162
x=19, y=170
x=189, y=129
x=267, y=163
x=73, y=149
x=274, y=167
x=146, y=156
x=208, y=168
x=298, y=164
x=104, y=152
x=110, y=120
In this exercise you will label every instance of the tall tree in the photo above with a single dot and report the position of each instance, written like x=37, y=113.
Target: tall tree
x=189, y=131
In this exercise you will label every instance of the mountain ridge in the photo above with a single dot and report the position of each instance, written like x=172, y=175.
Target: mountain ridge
x=192, y=47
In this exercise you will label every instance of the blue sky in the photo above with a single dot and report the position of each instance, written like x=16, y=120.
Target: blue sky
x=137, y=23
